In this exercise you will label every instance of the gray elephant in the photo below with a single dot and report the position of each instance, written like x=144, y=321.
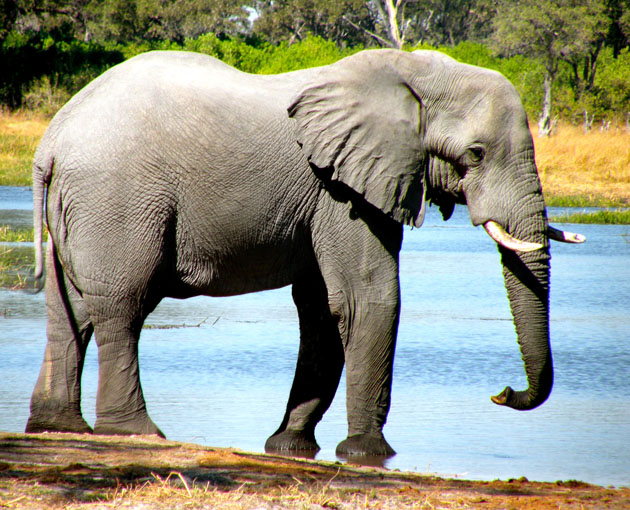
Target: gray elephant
x=175, y=175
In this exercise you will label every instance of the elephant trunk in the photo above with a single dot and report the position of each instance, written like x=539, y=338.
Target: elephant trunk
x=526, y=280
x=526, y=275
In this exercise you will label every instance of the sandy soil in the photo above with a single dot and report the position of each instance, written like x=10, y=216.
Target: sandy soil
x=82, y=471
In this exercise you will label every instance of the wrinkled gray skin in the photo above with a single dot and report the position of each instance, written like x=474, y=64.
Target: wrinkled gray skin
x=176, y=175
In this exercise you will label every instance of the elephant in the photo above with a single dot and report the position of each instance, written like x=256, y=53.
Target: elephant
x=174, y=175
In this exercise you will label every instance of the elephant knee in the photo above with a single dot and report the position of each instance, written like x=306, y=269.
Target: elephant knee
x=339, y=306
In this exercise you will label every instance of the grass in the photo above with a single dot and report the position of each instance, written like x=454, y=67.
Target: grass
x=580, y=169
x=19, y=135
x=20, y=235
x=16, y=267
x=51, y=471
x=16, y=262
x=618, y=217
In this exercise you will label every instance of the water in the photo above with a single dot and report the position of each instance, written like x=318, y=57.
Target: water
x=223, y=380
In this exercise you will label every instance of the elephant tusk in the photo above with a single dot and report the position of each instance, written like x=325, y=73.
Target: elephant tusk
x=564, y=237
x=500, y=236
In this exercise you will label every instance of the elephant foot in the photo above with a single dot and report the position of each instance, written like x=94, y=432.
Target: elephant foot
x=291, y=441
x=72, y=423
x=137, y=426
x=369, y=445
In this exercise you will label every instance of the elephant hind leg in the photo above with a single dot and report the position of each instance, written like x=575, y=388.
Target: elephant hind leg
x=56, y=400
x=317, y=373
x=120, y=404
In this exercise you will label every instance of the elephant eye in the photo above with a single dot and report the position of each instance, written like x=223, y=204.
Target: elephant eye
x=476, y=154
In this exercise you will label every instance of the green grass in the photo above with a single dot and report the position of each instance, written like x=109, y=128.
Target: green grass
x=20, y=235
x=16, y=262
x=552, y=200
x=609, y=217
x=16, y=267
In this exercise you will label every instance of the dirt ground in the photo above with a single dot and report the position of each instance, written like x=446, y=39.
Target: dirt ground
x=82, y=471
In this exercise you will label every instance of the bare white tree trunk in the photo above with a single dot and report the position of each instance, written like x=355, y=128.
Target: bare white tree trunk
x=588, y=121
x=393, y=27
x=388, y=11
x=544, y=124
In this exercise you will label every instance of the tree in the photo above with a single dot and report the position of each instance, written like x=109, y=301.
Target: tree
x=553, y=31
x=436, y=22
x=176, y=20
x=618, y=36
x=342, y=21
x=9, y=11
x=449, y=22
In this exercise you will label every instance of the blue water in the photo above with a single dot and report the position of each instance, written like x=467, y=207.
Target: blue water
x=223, y=380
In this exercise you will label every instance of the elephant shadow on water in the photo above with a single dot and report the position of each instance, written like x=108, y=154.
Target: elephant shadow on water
x=175, y=175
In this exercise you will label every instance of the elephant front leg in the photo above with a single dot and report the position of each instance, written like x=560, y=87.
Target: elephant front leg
x=369, y=354
x=56, y=400
x=317, y=373
x=120, y=404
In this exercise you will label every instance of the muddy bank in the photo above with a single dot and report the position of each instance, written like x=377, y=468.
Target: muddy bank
x=82, y=471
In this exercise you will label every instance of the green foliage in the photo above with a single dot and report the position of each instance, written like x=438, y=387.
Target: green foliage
x=45, y=69
x=237, y=53
x=612, y=82
x=311, y=52
x=67, y=63
x=526, y=74
x=256, y=56
x=342, y=21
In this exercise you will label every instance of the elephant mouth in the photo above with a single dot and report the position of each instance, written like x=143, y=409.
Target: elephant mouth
x=500, y=236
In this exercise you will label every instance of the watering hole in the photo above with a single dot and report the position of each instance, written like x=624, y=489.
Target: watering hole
x=217, y=371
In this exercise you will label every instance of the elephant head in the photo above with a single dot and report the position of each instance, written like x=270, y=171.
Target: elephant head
x=402, y=129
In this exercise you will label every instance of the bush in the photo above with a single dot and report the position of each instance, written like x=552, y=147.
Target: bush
x=310, y=52
x=612, y=83
x=263, y=58
x=46, y=96
x=37, y=63
x=41, y=71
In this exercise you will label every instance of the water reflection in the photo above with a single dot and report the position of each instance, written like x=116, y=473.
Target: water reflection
x=224, y=379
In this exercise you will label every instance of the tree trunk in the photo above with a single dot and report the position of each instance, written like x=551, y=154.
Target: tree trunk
x=393, y=27
x=544, y=124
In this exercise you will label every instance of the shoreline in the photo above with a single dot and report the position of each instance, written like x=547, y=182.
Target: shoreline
x=45, y=471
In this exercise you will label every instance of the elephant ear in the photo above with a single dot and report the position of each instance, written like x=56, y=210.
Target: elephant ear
x=363, y=122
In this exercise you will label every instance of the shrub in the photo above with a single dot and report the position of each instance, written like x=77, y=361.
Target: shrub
x=37, y=63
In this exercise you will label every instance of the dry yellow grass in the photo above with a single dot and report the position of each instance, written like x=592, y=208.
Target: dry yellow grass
x=593, y=165
x=576, y=168
x=19, y=135
x=91, y=472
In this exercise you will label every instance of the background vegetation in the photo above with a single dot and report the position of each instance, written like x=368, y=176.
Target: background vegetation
x=569, y=58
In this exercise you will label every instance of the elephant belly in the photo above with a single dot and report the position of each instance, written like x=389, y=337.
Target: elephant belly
x=252, y=271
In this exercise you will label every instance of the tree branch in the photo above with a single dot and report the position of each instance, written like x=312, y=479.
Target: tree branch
x=384, y=42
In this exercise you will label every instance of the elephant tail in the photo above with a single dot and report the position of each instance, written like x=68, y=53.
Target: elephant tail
x=41, y=178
